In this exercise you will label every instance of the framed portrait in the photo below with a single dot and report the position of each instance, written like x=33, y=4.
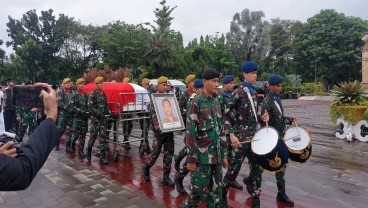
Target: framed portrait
x=168, y=112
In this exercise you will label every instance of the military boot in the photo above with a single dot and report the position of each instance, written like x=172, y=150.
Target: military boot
x=236, y=185
x=248, y=185
x=80, y=150
x=179, y=183
x=224, y=197
x=68, y=148
x=256, y=203
x=166, y=180
x=103, y=160
x=146, y=173
x=89, y=153
x=281, y=195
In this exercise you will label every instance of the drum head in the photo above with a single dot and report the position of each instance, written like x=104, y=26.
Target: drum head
x=266, y=140
x=297, y=138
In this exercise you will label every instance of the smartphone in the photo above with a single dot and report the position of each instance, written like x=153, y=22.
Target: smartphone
x=27, y=95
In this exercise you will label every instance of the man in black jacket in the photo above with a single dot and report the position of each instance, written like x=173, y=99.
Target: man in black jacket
x=18, y=169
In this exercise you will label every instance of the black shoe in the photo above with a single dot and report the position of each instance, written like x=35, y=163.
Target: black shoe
x=282, y=197
x=248, y=185
x=146, y=173
x=224, y=197
x=256, y=203
x=179, y=185
x=167, y=181
x=236, y=185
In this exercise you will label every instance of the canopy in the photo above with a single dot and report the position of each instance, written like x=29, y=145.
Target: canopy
x=113, y=93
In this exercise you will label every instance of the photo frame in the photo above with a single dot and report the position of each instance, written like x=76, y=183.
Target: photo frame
x=168, y=112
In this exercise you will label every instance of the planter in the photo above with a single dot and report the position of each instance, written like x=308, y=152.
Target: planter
x=352, y=113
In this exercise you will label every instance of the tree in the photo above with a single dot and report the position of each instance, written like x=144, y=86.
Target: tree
x=45, y=34
x=335, y=41
x=246, y=30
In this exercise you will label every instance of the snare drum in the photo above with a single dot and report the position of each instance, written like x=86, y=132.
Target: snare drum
x=270, y=152
x=299, y=143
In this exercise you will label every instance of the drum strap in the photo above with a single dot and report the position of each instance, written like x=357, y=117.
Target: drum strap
x=278, y=106
x=251, y=102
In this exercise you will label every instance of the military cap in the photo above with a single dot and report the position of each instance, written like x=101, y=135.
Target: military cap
x=145, y=81
x=98, y=80
x=80, y=80
x=210, y=74
x=190, y=78
x=275, y=79
x=66, y=80
x=249, y=66
x=227, y=79
x=162, y=80
x=198, y=83
x=126, y=80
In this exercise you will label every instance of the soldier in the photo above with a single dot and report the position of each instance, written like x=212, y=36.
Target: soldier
x=127, y=123
x=207, y=145
x=241, y=122
x=182, y=172
x=97, y=106
x=65, y=117
x=160, y=139
x=79, y=105
x=186, y=95
x=272, y=105
x=144, y=146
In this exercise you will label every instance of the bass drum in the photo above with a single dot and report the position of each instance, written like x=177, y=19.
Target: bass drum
x=270, y=152
x=299, y=143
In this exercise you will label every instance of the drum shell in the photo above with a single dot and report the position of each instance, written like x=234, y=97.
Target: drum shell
x=300, y=155
x=276, y=159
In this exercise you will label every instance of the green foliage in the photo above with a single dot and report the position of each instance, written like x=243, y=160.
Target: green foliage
x=312, y=87
x=349, y=93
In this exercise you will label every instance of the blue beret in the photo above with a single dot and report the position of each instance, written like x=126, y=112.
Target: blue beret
x=227, y=79
x=198, y=83
x=275, y=79
x=249, y=66
x=210, y=74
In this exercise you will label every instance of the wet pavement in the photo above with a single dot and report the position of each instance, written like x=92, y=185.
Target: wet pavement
x=335, y=176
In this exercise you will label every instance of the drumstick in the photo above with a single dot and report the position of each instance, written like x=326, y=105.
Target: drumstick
x=245, y=142
x=296, y=124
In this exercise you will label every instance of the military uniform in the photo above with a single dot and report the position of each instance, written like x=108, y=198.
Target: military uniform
x=97, y=106
x=165, y=140
x=65, y=117
x=28, y=120
x=272, y=104
x=79, y=105
x=243, y=122
x=207, y=147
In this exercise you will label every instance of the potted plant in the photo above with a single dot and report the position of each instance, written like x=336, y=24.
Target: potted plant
x=349, y=101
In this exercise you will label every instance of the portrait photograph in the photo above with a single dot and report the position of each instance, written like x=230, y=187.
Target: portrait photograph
x=168, y=114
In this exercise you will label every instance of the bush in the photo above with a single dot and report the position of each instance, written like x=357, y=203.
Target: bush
x=312, y=88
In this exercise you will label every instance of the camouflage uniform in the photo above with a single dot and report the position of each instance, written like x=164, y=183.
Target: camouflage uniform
x=79, y=105
x=65, y=117
x=160, y=139
x=279, y=122
x=207, y=147
x=241, y=121
x=97, y=106
x=28, y=119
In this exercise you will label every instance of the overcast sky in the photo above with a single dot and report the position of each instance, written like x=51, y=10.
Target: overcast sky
x=192, y=18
